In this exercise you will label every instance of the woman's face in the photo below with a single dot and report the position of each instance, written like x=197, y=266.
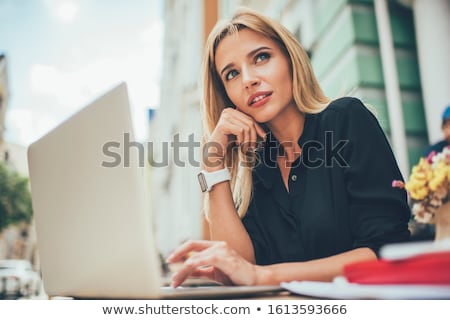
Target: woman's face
x=256, y=75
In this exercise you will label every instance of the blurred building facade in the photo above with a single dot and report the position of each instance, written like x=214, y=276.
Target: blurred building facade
x=3, y=95
x=17, y=241
x=175, y=197
x=350, y=42
x=13, y=154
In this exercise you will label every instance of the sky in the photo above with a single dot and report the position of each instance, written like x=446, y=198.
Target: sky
x=62, y=54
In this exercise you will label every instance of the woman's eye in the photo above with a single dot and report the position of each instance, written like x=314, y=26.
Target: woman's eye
x=262, y=56
x=230, y=75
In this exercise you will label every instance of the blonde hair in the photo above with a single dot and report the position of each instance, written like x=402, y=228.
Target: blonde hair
x=307, y=93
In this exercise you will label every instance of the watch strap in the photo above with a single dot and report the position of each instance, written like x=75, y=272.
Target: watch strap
x=208, y=179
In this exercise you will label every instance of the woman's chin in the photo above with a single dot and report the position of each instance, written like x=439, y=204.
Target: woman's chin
x=263, y=118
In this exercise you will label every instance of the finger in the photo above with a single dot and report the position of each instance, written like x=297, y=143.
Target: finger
x=249, y=131
x=229, y=126
x=212, y=256
x=237, y=130
x=253, y=137
x=219, y=256
x=204, y=272
x=260, y=131
x=190, y=267
x=227, y=263
x=204, y=269
x=187, y=247
x=212, y=274
x=247, y=137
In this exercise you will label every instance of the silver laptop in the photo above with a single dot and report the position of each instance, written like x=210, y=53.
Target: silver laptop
x=94, y=227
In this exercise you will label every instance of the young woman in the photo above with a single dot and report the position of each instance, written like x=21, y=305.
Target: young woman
x=316, y=196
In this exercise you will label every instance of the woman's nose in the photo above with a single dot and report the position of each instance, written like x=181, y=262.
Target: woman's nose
x=249, y=78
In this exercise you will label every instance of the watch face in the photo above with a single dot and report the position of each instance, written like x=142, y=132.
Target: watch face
x=202, y=181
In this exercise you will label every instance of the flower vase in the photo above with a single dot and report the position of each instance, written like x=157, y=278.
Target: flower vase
x=442, y=222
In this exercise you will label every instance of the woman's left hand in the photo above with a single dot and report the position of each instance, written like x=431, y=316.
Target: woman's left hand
x=212, y=259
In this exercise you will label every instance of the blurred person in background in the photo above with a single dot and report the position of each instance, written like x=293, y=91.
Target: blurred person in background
x=445, y=126
x=315, y=196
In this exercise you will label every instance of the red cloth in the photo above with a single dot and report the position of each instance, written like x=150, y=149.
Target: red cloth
x=430, y=268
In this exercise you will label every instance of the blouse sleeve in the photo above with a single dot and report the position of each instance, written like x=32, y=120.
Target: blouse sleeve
x=379, y=213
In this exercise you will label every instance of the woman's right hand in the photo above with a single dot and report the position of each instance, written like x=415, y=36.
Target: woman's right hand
x=231, y=123
x=215, y=260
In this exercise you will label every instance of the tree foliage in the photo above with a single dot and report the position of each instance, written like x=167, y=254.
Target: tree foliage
x=15, y=198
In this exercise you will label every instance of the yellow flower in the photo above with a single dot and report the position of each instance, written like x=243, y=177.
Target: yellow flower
x=429, y=185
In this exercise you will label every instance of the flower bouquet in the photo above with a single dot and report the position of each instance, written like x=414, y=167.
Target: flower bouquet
x=429, y=189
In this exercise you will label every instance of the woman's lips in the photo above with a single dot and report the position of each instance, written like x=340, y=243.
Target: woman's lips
x=258, y=99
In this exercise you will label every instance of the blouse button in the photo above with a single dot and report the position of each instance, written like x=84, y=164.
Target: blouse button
x=294, y=177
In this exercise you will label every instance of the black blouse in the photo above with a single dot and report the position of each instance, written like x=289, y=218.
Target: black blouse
x=340, y=195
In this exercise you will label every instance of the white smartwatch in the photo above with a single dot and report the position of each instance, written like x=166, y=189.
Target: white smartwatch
x=208, y=179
